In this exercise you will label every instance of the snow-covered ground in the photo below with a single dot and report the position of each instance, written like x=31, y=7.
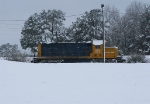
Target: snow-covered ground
x=74, y=83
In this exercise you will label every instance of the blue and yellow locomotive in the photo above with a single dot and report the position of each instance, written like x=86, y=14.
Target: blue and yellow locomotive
x=76, y=52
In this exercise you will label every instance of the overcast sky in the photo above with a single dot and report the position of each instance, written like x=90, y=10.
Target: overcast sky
x=10, y=31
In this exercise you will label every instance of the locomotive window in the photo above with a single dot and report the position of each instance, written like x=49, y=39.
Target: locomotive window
x=97, y=46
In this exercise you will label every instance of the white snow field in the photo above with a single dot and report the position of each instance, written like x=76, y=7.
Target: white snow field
x=74, y=83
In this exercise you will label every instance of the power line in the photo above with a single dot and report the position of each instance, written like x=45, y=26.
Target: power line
x=15, y=29
x=9, y=28
x=65, y=16
x=115, y=12
x=9, y=24
x=13, y=20
x=25, y=20
x=74, y=15
x=11, y=34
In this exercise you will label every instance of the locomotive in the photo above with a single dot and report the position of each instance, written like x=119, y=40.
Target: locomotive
x=76, y=52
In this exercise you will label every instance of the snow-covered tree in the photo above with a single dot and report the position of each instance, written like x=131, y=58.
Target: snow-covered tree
x=124, y=28
x=131, y=25
x=112, y=25
x=87, y=27
x=143, y=40
x=44, y=27
x=10, y=52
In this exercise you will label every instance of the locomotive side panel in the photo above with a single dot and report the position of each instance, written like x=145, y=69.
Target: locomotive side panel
x=111, y=52
x=65, y=49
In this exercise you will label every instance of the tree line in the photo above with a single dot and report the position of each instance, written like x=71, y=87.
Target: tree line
x=130, y=31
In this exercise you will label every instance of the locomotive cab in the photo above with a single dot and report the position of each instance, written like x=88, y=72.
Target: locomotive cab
x=97, y=51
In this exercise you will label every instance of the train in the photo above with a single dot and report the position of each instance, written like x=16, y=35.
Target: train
x=76, y=52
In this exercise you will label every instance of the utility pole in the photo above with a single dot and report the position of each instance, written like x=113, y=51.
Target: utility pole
x=102, y=6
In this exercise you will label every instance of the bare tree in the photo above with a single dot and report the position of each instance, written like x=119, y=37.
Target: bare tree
x=131, y=25
x=112, y=22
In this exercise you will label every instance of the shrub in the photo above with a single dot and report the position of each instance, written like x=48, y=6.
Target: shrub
x=137, y=58
x=12, y=53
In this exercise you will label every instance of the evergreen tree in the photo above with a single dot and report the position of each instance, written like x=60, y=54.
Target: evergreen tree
x=86, y=28
x=44, y=27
